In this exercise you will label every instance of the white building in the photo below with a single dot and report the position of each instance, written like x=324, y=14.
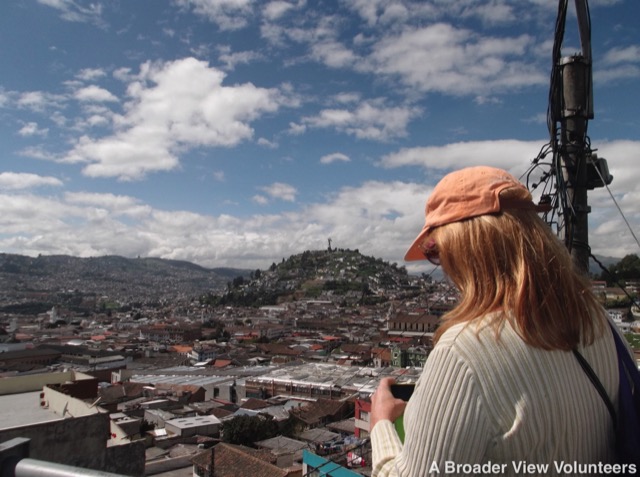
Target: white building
x=191, y=426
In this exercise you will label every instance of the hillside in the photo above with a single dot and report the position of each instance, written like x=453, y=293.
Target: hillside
x=27, y=279
x=344, y=276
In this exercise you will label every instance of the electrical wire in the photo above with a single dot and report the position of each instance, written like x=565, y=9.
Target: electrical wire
x=615, y=202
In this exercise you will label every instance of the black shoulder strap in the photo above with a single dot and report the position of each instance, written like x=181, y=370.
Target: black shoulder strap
x=593, y=377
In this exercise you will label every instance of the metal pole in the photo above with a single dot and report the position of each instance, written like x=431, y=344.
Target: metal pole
x=38, y=468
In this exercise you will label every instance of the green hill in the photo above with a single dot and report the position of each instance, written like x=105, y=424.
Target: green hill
x=344, y=276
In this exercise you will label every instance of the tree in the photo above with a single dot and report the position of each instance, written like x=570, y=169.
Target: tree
x=626, y=269
x=245, y=430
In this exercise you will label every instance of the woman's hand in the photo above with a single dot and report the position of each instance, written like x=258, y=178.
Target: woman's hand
x=384, y=405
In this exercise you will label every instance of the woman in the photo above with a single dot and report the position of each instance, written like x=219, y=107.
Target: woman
x=501, y=393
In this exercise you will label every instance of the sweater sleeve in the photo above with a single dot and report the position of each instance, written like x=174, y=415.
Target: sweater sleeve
x=445, y=423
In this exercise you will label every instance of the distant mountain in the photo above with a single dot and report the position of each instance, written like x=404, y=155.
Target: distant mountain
x=595, y=269
x=117, y=278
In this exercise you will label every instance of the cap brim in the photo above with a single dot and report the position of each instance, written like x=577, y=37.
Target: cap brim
x=415, y=253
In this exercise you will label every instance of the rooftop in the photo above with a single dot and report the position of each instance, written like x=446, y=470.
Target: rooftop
x=25, y=410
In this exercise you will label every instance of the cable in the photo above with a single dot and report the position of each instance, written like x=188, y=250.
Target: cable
x=614, y=280
x=618, y=207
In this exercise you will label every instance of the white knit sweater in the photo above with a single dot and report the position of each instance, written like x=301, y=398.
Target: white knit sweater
x=504, y=404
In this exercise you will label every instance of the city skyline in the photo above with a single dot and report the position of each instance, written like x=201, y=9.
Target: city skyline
x=236, y=132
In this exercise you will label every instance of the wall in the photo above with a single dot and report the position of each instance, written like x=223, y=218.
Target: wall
x=33, y=382
x=80, y=442
x=67, y=406
x=121, y=375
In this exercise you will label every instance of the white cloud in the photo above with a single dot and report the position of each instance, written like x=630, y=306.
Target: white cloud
x=378, y=218
x=369, y=120
x=23, y=180
x=94, y=93
x=279, y=190
x=123, y=74
x=442, y=58
x=39, y=100
x=345, y=98
x=173, y=105
x=492, y=13
x=116, y=205
x=260, y=199
x=73, y=11
x=507, y=154
x=232, y=59
x=383, y=11
x=90, y=74
x=264, y=142
x=333, y=54
x=226, y=14
x=296, y=129
x=336, y=156
x=32, y=129
x=276, y=9
x=616, y=74
x=619, y=63
x=37, y=152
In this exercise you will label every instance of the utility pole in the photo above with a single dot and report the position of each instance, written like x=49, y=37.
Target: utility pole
x=576, y=92
x=571, y=105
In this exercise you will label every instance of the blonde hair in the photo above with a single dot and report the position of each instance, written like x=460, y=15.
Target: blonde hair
x=512, y=262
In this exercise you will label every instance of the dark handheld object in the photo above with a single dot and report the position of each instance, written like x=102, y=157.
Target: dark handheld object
x=402, y=391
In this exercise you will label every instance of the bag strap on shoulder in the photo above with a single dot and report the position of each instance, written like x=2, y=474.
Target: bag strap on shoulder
x=593, y=377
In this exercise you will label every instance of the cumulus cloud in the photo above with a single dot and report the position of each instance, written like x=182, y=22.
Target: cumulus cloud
x=32, y=129
x=371, y=217
x=260, y=199
x=276, y=9
x=231, y=59
x=39, y=101
x=171, y=105
x=332, y=53
x=368, y=120
x=94, y=93
x=503, y=153
x=296, y=129
x=401, y=50
x=443, y=58
x=378, y=218
x=336, y=156
x=90, y=74
x=24, y=180
x=280, y=190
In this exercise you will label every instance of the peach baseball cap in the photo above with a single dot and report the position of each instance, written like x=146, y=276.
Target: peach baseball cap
x=468, y=193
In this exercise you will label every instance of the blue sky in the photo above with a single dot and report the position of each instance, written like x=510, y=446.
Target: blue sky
x=239, y=132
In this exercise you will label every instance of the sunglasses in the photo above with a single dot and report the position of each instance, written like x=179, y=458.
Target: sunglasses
x=430, y=251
